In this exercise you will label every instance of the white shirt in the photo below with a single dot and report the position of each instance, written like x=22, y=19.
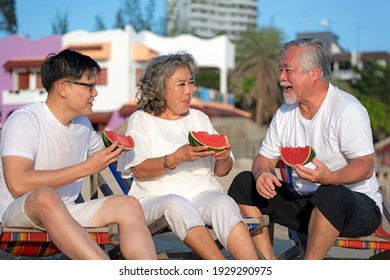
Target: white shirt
x=339, y=131
x=34, y=132
x=156, y=137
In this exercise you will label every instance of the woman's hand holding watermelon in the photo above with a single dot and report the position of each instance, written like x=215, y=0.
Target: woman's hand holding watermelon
x=189, y=153
x=224, y=154
x=224, y=162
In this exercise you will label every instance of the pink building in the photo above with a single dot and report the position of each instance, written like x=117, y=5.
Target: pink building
x=20, y=61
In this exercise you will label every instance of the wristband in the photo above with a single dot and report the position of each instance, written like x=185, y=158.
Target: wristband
x=259, y=172
x=166, y=167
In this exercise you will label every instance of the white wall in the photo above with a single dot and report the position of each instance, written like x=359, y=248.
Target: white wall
x=118, y=90
x=217, y=52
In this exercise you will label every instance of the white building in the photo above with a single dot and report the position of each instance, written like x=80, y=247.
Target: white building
x=122, y=55
x=217, y=52
x=209, y=18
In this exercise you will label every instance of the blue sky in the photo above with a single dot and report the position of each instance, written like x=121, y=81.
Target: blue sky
x=360, y=24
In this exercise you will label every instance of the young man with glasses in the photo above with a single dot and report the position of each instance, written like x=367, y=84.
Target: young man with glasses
x=47, y=148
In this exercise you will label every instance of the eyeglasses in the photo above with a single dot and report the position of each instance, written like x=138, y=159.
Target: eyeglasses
x=91, y=86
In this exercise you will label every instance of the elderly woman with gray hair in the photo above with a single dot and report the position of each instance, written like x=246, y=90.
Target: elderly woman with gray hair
x=174, y=179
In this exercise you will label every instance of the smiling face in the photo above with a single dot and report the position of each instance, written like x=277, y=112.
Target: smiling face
x=179, y=89
x=293, y=79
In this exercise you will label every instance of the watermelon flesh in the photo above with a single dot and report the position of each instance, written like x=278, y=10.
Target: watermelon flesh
x=297, y=155
x=126, y=141
x=215, y=142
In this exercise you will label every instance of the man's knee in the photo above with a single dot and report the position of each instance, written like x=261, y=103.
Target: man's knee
x=124, y=204
x=243, y=178
x=42, y=205
x=336, y=195
x=44, y=198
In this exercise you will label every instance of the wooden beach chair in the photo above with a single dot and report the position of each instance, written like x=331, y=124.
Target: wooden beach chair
x=379, y=241
x=122, y=185
x=31, y=243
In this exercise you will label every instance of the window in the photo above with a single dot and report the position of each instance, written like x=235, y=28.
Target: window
x=102, y=80
x=138, y=75
x=24, y=81
x=39, y=81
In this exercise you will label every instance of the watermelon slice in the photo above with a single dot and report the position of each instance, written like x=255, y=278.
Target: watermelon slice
x=215, y=142
x=123, y=140
x=297, y=155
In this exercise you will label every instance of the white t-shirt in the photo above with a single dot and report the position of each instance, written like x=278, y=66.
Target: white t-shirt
x=34, y=132
x=339, y=131
x=156, y=137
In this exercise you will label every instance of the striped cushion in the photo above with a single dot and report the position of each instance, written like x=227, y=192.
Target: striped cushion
x=29, y=249
x=37, y=244
x=369, y=242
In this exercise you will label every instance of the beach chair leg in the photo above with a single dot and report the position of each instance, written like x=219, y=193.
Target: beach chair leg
x=298, y=251
x=114, y=252
x=385, y=255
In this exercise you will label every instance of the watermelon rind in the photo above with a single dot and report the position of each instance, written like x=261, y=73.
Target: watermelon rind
x=196, y=142
x=108, y=142
x=297, y=155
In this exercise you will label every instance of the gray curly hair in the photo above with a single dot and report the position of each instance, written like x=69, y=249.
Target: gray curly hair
x=150, y=95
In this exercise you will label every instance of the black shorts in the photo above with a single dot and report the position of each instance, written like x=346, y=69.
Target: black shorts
x=351, y=213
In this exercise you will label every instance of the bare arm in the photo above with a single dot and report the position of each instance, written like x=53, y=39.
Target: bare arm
x=224, y=162
x=356, y=170
x=154, y=167
x=264, y=174
x=21, y=177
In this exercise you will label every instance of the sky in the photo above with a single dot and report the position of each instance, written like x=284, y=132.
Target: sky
x=361, y=25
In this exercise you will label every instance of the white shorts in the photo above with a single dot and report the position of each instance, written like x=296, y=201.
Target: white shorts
x=83, y=213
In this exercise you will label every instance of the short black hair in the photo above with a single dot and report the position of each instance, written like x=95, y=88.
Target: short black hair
x=67, y=64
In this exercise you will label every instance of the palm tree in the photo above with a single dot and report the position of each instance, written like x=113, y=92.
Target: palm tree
x=255, y=78
x=60, y=23
x=8, y=19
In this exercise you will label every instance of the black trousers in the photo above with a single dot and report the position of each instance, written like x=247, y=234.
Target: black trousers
x=352, y=213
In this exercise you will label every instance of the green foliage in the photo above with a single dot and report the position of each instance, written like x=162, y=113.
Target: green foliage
x=175, y=24
x=119, y=21
x=341, y=84
x=8, y=20
x=140, y=15
x=208, y=78
x=379, y=116
x=254, y=81
x=248, y=83
x=60, y=23
x=372, y=88
x=99, y=23
x=373, y=80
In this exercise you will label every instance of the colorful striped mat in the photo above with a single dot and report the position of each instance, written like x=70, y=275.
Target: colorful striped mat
x=37, y=244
